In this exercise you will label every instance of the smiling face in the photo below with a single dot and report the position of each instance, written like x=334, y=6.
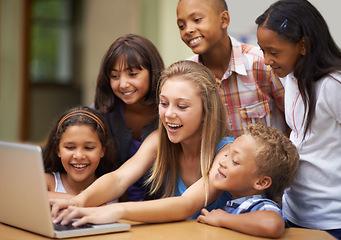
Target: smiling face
x=130, y=85
x=280, y=54
x=80, y=151
x=180, y=110
x=201, y=26
x=237, y=172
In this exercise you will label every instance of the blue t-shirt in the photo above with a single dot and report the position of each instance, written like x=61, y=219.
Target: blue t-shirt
x=224, y=197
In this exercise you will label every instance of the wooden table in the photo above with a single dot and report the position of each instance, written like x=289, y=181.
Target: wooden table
x=168, y=231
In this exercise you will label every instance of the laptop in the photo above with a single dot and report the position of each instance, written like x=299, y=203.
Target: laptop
x=24, y=199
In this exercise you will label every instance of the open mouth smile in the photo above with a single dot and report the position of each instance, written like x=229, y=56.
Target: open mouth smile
x=79, y=166
x=195, y=41
x=128, y=93
x=220, y=174
x=174, y=126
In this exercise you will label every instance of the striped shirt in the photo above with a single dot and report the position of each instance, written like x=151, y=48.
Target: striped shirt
x=251, y=204
x=249, y=89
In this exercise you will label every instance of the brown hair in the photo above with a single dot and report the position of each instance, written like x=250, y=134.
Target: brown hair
x=135, y=51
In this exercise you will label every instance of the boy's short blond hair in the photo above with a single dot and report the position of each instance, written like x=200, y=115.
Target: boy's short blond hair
x=276, y=157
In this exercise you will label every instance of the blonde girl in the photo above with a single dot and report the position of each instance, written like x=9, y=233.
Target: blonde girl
x=192, y=129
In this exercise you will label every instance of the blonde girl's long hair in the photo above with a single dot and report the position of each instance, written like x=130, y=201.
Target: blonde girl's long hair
x=166, y=168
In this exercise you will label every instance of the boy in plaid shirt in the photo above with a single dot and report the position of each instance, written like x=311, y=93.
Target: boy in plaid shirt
x=249, y=89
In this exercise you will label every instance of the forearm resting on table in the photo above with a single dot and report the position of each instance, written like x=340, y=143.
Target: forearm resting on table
x=259, y=223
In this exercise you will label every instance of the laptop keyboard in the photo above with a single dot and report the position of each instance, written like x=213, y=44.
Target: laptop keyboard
x=69, y=227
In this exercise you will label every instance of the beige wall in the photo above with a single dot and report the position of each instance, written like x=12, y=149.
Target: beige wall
x=171, y=46
x=11, y=13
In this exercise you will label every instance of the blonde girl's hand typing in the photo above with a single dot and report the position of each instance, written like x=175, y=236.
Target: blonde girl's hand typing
x=95, y=215
x=59, y=204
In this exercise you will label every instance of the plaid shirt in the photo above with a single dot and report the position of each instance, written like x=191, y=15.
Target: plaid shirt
x=250, y=91
x=251, y=204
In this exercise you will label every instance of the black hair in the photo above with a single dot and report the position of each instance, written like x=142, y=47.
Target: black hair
x=219, y=5
x=73, y=117
x=295, y=20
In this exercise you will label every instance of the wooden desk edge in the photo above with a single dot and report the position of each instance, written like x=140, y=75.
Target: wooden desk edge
x=189, y=229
